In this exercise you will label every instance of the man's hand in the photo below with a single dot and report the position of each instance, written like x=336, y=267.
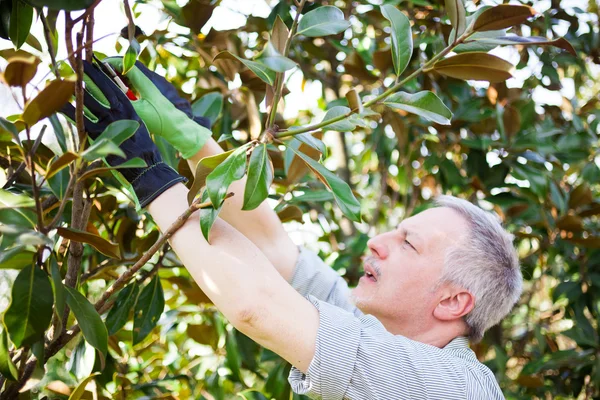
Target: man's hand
x=162, y=109
x=147, y=186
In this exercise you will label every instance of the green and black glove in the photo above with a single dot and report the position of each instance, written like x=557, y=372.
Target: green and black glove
x=148, y=182
x=162, y=109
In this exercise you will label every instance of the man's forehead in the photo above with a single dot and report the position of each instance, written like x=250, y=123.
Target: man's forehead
x=439, y=219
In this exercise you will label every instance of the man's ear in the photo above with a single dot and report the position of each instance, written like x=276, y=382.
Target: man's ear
x=454, y=304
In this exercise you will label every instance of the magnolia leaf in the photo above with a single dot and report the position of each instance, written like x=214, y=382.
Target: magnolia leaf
x=293, y=213
x=59, y=182
x=425, y=104
x=265, y=73
x=457, y=15
x=275, y=60
x=402, y=43
x=313, y=142
x=341, y=191
x=60, y=163
x=148, y=309
x=475, y=66
x=204, y=167
x=119, y=131
x=101, y=149
x=208, y=106
x=133, y=163
x=59, y=293
x=260, y=178
x=322, y=21
x=80, y=389
x=119, y=313
x=30, y=310
x=502, y=16
x=15, y=258
x=354, y=101
x=561, y=43
x=21, y=18
x=7, y=126
x=92, y=327
x=477, y=43
x=20, y=70
x=49, y=101
x=208, y=215
x=230, y=170
x=99, y=243
x=343, y=125
x=131, y=56
x=13, y=200
x=7, y=367
x=279, y=34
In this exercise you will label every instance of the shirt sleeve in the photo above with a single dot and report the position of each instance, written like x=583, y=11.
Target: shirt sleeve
x=357, y=358
x=313, y=277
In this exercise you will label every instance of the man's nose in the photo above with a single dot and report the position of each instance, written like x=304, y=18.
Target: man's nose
x=378, y=247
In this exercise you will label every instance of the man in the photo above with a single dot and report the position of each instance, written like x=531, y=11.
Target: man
x=444, y=275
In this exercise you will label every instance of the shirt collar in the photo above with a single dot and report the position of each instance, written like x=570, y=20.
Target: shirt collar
x=459, y=342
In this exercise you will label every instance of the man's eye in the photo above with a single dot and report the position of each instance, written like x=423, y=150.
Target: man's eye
x=408, y=243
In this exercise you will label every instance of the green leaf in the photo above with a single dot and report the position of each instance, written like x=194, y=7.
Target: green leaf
x=342, y=126
x=230, y=170
x=457, y=15
x=204, y=167
x=67, y=5
x=80, y=389
x=313, y=142
x=58, y=132
x=234, y=362
x=561, y=43
x=341, y=191
x=131, y=56
x=402, y=43
x=7, y=126
x=148, y=309
x=208, y=216
x=13, y=200
x=101, y=149
x=59, y=293
x=16, y=258
x=133, y=163
x=502, y=16
x=323, y=21
x=119, y=313
x=20, y=22
x=59, y=182
x=274, y=60
x=477, y=43
x=208, y=106
x=119, y=131
x=30, y=310
x=61, y=162
x=102, y=245
x=48, y=101
x=92, y=327
x=425, y=104
x=260, y=178
x=7, y=368
x=265, y=73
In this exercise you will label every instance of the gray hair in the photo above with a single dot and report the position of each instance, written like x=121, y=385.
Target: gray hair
x=485, y=263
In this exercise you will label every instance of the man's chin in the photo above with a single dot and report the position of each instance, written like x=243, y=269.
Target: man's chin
x=361, y=298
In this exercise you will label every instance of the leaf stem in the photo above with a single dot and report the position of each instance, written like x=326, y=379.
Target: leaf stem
x=280, y=75
x=382, y=96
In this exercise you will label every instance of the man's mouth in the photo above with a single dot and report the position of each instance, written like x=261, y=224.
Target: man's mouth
x=370, y=272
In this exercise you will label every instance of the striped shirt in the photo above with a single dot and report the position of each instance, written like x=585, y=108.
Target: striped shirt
x=357, y=358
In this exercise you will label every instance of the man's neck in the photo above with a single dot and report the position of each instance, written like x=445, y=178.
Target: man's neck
x=438, y=336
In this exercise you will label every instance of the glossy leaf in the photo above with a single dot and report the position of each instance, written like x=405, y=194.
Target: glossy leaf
x=260, y=178
x=60, y=163
x=7, y=367
x=119, y=313
x=275, y=60
x=133, y=163
x=227, y=172
x=30, y=310
x=475, y=66
x=502, y=16
x=265, y=73
x=119, y=131
x=313, y=142
x=457, y=15
x=101, y=149
x=322, y=21
x=92, y=327
x=204, y=167
x=20, y=70
x=341, y=191
x=20, y=22
x=59, y=293
x=279, y=34
x=13, y=200
x=208, y=106
x=130, y=56
x=208, y=216
x=344, y=125
x=102, y=245
x=425, y=104
x=59, y=182
x=80, y=389
x=148, y=309
x=49, y=101
x=402, y=43
x=15, y=258
x=7, y=126
x=561, y=43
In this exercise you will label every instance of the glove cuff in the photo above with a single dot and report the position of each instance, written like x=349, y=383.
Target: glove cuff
x=153, y=181
x=191, y=139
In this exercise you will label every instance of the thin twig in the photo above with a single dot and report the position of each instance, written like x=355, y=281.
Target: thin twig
x=87, y=12
x=50, y=44
x=13, y=177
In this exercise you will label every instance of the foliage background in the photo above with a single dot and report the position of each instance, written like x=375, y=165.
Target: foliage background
x=527, y=148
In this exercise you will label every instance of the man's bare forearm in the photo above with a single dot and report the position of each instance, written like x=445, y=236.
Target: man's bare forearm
x=261, y=225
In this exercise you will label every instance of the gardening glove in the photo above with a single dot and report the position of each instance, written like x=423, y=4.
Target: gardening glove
x=147, y=182
x=162, y=109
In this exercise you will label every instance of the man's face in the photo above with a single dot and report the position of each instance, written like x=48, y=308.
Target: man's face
x=406, y=264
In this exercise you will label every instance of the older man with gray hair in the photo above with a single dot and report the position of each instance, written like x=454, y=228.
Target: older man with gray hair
x=442, y=276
